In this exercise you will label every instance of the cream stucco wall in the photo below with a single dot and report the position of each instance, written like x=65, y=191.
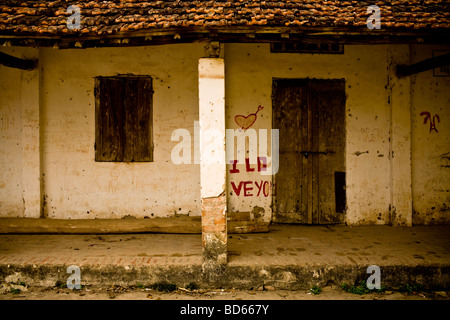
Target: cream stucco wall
x=19, y=138
x=75, y=186
x=250, y=69
x=393, y=163
x=11, y=144
x=430, y=149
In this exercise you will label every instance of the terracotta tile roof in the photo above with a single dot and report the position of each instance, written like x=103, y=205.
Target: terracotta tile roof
x=40, y=18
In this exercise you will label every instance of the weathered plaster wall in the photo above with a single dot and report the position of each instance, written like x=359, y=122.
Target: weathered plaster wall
x=250, y=69
x=399, y=104
x=430, y=148
x=19, y=138
x=75, y=186
x=11, y=144
x=381, y=111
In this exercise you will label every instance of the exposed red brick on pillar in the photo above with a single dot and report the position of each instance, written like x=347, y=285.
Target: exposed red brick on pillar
x=214, y=229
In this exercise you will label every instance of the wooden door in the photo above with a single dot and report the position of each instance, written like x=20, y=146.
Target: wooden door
x=310, y=183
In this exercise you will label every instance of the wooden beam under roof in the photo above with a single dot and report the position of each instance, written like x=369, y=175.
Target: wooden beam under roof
x=175, y=35
x=427, y=64
x=13, y=62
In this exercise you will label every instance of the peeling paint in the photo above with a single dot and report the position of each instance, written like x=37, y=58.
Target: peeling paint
x=77, y=187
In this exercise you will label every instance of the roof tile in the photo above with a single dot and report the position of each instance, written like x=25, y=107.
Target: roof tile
x=111, y=16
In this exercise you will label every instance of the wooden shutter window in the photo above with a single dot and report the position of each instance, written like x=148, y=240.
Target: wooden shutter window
x=123, y=118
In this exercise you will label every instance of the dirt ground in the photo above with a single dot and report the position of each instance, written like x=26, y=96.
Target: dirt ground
x=136, y=293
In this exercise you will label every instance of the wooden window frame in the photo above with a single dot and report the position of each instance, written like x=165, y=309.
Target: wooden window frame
x=124, y=119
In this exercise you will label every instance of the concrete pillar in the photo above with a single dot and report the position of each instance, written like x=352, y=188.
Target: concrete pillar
x=212, y=160
x=399, y=99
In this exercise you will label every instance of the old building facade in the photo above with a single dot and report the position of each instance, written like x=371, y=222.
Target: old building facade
x=138, y=112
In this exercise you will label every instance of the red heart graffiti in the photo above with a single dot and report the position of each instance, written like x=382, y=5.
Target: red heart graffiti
x=246, y=122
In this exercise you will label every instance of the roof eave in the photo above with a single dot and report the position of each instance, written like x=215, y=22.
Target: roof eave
x=236, y=34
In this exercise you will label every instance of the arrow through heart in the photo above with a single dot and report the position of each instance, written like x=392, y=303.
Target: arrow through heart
x=246, y=122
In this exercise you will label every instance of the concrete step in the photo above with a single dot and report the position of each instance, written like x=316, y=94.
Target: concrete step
x=288, y=257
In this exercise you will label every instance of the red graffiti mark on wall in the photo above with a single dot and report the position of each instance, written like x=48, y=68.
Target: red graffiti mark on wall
x=262, y=165
x=252, y=188
x=246, y=122
x=263, y=188
x=432, y=120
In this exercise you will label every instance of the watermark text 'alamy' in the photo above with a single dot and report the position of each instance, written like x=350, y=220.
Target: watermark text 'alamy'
x=240, y=145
